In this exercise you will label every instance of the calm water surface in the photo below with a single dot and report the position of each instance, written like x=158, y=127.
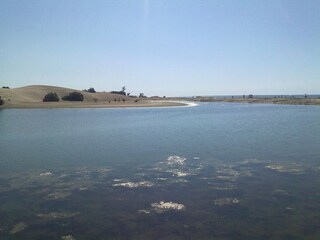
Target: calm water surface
x=214, y=171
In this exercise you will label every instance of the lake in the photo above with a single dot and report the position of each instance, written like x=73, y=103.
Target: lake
x=213, y=171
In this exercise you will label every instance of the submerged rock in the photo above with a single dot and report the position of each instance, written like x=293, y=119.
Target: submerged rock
x=227, y=173
x=18, y=228
x=226, y=201
x=178, y=173
x=133, y=184
x=250, y=161
x=56, y=215
x=160, y=207
x=68, y=237
x=176, y=160
x=144, y=211
x=104, y=170
x=46, y=174
x=283, y=169
x=58, y=195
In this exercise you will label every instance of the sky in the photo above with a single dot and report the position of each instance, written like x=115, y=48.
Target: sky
x=163, y=47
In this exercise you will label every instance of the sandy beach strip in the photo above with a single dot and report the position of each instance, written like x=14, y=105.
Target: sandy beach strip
x=289, y=101
x=131, y=104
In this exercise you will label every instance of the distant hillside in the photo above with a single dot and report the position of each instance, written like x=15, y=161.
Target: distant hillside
x=35, y=94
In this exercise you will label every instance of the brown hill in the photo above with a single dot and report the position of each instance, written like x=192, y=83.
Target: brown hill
x=32, y=97
x=35, y=93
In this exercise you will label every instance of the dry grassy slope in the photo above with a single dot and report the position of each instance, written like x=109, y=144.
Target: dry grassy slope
x=35, y=93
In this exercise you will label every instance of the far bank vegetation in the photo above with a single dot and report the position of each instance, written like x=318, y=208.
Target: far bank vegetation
x=73, y=96
x=51, y=97
x=90, y=90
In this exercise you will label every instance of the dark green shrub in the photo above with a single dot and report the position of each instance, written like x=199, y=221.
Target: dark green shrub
x=51, y=97
x=74, y=96
x=90, y=90
x=1, y=101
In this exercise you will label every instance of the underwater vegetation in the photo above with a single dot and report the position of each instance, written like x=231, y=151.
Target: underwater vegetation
x=179, y=197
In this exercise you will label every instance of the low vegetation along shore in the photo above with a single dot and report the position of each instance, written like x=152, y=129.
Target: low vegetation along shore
x=40, y=96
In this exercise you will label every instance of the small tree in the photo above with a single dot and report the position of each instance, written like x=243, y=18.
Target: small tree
x=1, y=101
x=142, y=95
x=51, y=97
x=91, y=90
x=73, y=96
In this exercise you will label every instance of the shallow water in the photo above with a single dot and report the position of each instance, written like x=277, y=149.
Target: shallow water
x=214, y=171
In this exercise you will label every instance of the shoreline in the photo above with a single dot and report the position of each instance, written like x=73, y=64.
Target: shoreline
x=31, y=97
x=157, y=103
x=53, y=105
x=285, y=101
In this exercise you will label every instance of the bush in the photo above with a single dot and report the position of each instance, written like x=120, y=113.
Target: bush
x=74, y=96
x=119, y=92
x=6, y=87
x=1, y=101
x=51, y=97
x=90, y=90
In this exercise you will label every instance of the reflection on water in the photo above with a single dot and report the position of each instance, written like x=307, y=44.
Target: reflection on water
x=215, y=171
x=179, y=197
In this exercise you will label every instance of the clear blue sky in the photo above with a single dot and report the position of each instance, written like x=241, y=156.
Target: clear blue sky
x=163, y=47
